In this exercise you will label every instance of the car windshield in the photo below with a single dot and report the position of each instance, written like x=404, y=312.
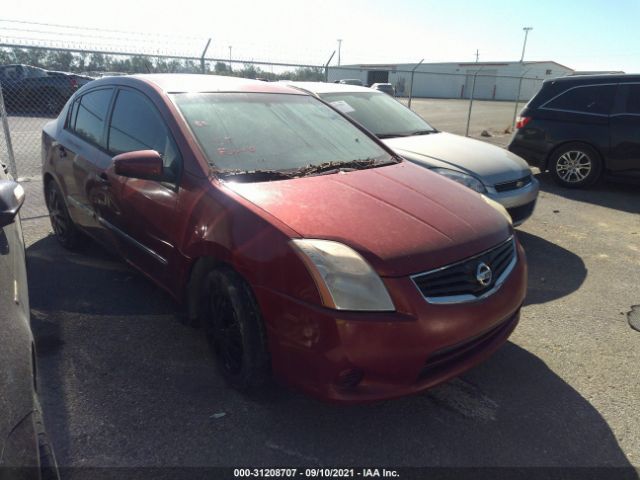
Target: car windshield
x=271, y=132
x=379, y=113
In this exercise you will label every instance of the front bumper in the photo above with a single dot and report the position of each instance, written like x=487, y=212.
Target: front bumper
x=535, y=152
x=397, y=353
x=519, y=202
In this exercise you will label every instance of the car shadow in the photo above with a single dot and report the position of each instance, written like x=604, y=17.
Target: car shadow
x=125, y=384
x=606, y=193
x=554, y=272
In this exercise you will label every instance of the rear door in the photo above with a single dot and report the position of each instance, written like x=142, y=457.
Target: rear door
x=81, y=157
x=625, y=130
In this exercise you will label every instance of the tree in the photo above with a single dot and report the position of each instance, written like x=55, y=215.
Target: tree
x=220, y=68
x=97, y=62
x=59, y=60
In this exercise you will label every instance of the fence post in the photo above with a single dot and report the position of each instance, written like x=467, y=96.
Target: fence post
x=326, y=67
x=411, y=85
x=204, y=52
x=515, y=110
x=473, y=89
x=7, y=137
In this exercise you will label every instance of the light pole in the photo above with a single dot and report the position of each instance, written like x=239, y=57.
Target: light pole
x=526, y=34
x=339, y=48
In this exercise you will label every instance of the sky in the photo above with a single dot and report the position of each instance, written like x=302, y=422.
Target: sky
x=581, y=34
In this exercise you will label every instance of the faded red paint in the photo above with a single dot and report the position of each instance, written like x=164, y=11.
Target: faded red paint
x=402, y=219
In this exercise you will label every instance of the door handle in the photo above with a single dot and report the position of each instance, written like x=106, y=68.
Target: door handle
x=103, y=179
x=62, y=152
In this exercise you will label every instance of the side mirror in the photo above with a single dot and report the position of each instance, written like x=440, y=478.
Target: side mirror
x=11, y=199
x=142, y=164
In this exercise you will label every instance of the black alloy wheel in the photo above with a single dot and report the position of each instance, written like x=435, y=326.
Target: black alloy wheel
x=235, y=330
x=65, y=230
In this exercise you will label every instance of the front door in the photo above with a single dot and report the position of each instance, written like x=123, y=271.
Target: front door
x=141, y=213
x=625, y=131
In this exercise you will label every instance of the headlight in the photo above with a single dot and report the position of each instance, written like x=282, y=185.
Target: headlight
x=467, y=180
x=499, y=208
x=345, y=280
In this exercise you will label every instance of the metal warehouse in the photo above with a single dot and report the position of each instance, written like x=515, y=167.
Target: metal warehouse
x=486, y=80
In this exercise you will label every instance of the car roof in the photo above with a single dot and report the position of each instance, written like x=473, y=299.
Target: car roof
x=192, y=83
x=322, y=87
x=589, y=79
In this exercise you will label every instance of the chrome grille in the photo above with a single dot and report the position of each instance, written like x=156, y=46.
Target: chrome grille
x=468, y=280
x=513, y=185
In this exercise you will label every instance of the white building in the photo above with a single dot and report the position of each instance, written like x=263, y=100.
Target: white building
x=493, y=80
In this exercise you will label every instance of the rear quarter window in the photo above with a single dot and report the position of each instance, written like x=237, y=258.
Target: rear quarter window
x=594, y=99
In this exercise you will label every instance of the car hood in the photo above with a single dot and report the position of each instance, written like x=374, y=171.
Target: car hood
x=402, y=218
x=487, y=162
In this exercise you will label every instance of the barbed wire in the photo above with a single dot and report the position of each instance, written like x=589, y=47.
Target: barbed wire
x=51, y=35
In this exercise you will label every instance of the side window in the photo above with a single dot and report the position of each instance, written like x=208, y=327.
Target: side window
x=91, y=115
x=137, y=125
x=591, y=99
x=73, y=113
x=633, y=99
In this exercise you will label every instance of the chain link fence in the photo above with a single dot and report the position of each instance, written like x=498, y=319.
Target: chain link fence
x=36, y=81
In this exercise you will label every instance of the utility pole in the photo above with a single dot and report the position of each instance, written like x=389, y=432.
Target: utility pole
x=339, y=47
x=477, y=55
x=526, y=34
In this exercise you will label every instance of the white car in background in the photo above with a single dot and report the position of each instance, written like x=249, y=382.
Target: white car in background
x=487, y=169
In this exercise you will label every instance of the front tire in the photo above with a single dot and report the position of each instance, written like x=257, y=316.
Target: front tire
x=576, y=166
x=66, y=231
x=235, y=330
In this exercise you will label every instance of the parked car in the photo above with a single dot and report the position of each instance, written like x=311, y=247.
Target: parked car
x=350, y=81
x=25, y=451
x=485, y=168
x=33, y=89
x=304, y=246
x=582, y=128
x=384, y=88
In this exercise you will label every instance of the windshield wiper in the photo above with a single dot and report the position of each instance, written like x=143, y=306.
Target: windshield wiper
x=334, y=167
x=262, y=175
x=422, y=132
x=404, y=134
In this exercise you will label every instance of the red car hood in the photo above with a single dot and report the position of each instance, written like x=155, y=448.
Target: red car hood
x=402, y=218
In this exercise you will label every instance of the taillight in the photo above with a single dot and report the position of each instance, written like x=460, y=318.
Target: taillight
x=74, y=83
x=521, y=122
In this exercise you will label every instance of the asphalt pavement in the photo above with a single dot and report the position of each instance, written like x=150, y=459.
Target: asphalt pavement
x=124, y=383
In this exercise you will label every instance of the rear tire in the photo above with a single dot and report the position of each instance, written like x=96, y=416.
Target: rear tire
x=575, y=165
x=66, y=231
x=235, y=330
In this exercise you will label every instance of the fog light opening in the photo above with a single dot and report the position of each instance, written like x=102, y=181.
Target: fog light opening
x=349, y=379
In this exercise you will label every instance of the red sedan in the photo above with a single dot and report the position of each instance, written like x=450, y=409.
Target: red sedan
x=304, y=247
